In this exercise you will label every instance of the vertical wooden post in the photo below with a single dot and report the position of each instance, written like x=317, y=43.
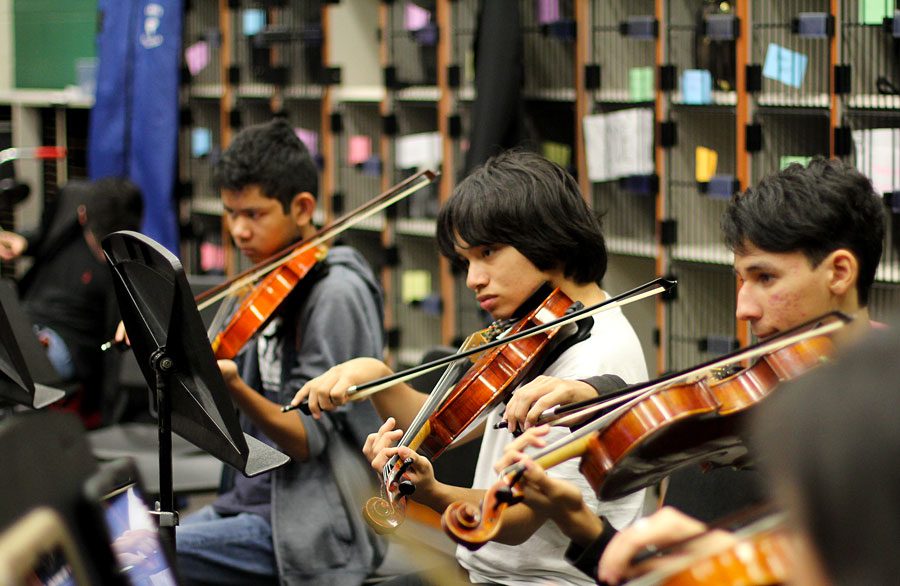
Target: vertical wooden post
x=326, y=186
x=225, y=62
x=583, y=99
x=743, y=116
x=661, y=108
x=446, y=107
x=387, y=159
x=836, y=111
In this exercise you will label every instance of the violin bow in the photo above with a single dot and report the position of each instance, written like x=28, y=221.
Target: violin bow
x=359, y=392
x=345, y=222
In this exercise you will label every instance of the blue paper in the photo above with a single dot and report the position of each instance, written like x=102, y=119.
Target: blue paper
x=721, y=187
x=254, y=19
x=431, y=305
x=563, y=29
x=427, y=36
x=696, y=86
x=784, y=65
x=371, y=166
x=201, y=142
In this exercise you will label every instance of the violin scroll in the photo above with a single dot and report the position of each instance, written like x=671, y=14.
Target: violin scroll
x=471, y=527
x=384, y=516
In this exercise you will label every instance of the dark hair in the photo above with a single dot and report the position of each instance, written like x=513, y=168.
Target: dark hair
x=113, y=204
x=831, y=444
x=271, y=156
x=523, y=200
x=814, y=210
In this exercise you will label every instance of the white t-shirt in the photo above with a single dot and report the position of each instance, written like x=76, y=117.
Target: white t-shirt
x=612, y=348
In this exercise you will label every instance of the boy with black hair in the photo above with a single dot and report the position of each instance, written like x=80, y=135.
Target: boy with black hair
x=806, y=241
x=297, y=524
x=515, y=223
x=68, y=292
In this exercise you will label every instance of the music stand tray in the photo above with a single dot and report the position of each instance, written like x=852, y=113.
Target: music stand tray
x=174, y=353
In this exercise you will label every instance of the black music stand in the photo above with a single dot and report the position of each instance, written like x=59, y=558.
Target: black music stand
x=26, y=375
x=173, y=351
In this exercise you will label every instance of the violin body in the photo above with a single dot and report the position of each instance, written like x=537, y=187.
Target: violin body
x=492, y=377
x=762, y=561
x=690, y=423
x=759, y=559
x=637, y=449
x=259, y=306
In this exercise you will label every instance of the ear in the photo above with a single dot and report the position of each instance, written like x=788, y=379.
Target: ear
x=303, y=206
x=844, y=271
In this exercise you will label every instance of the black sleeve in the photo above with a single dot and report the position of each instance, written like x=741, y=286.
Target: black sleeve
x=605, y=383
x=587, y=558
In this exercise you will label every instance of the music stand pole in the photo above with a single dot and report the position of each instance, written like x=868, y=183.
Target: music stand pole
x=165, y=506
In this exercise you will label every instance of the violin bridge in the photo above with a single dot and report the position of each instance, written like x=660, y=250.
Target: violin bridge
x=473, y=341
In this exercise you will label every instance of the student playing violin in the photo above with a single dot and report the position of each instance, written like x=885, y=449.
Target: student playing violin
x=290, y=526
x=513, y=224
x=806, y=240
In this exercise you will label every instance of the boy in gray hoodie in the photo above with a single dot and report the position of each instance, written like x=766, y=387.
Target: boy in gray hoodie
x=296, y=524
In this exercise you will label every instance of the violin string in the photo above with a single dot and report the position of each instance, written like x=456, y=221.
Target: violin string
x=435, y=398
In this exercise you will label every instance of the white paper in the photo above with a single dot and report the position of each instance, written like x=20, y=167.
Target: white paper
x=595, y=147
x=878, y=157
x=619, y=144
x=419, y=151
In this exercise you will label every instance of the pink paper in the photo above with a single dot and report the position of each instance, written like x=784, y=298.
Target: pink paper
x=547, y=11
x=359, y=149
x=414, y=17
x=212, y=257
x=197, y=57
x=310, y=138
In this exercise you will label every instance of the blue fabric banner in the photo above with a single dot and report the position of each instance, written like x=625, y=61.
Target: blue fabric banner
x=134, y=123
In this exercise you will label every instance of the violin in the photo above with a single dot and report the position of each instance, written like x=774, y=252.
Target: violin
x=493, y=376
x=257, y=307
x=680, y=420
x=503, y=365
x=272, y=280
x=698, y=422
x=761, y=555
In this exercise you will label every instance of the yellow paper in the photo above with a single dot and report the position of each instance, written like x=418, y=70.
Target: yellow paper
x=415, y=285
x=559, y=153
x=705, y=161
x=470, y=66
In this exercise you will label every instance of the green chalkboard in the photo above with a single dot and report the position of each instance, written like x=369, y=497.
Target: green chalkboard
x=49, y=36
